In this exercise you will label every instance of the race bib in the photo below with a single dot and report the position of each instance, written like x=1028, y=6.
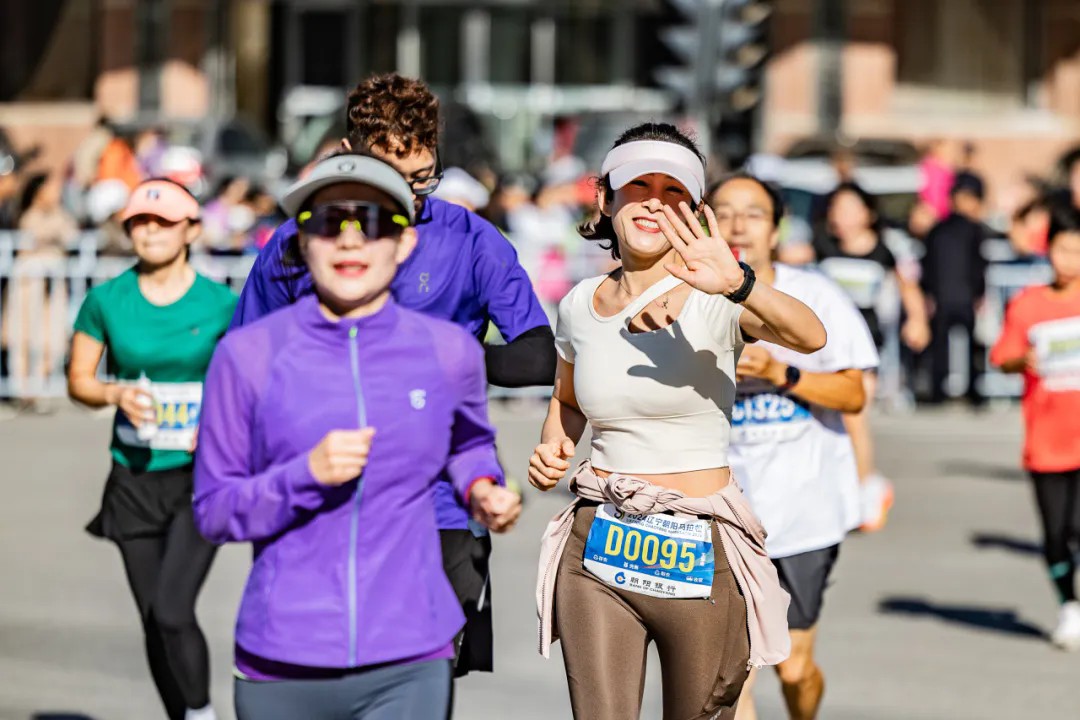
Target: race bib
x=767, y=418
x=177, y=407
x=657, y=555
x=1057, y=353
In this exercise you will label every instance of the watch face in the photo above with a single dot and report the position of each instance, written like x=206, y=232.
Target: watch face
x=793, y=375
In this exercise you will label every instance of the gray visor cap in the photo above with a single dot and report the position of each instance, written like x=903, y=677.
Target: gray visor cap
x=349, y=169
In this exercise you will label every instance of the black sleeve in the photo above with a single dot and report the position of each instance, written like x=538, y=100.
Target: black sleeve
x=978, y=260
x=884, y=255
x=528, y=360
x=930, y=261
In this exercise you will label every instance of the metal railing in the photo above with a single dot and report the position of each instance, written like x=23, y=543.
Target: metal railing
x=41, y=292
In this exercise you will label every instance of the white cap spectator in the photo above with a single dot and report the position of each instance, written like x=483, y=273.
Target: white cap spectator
x=567, y=170
x=106, y=198
x=461, y=188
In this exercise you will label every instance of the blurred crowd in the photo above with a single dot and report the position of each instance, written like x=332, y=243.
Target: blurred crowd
x=919, y=276
x=52, y=207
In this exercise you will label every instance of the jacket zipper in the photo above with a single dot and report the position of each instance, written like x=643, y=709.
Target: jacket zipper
x=354, y=525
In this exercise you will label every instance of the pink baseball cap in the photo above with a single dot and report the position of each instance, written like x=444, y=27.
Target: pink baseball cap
x=162, y=199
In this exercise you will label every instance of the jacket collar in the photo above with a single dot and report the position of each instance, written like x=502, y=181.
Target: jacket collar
x=315, y=323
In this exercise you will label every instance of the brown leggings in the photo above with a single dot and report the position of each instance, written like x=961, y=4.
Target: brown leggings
x=703, y=645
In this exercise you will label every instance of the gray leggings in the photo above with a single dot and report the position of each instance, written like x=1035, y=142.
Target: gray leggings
x=417, y=691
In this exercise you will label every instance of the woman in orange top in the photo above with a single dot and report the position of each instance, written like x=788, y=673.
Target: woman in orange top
x=1041, y=339
x=118, y=162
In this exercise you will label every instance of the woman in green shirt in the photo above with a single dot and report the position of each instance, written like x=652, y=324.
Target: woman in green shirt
x=159, y=322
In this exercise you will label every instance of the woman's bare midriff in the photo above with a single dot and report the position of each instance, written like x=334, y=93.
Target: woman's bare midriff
x=696, y=483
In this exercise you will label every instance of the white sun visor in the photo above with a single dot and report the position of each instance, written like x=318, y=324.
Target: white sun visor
x=642, y=157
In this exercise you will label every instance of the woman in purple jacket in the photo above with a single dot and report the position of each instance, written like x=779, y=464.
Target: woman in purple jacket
x=324, y=427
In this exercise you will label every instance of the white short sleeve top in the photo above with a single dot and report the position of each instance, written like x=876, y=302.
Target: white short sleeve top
x=658, y=401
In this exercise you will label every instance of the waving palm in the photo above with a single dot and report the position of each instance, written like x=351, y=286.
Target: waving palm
x=710, y=265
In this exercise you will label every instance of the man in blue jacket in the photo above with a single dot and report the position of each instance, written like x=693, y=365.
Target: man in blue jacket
x=462, y=270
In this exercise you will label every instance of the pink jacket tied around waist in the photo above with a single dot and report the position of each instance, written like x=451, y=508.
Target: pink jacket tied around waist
x=741, y=533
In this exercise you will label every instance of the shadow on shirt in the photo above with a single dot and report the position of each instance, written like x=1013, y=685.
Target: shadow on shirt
x=676, y=364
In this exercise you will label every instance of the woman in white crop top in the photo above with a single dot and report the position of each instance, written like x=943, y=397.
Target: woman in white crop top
x=647, y=356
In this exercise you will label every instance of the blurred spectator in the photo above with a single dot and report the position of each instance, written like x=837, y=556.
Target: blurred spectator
x=853, y=252
x=544, y=230
x=511, y=193
x=9, y=191
x=150, y=148
x=954, y=280
x=118, y=162
x=36, y=308
x=86, y=162
x=938, y=171
x=105, y=203
x=84, y=167
x=225, y=218
x=1028, y=230
x=461, y=188
x=42, y=217
x=264, y=209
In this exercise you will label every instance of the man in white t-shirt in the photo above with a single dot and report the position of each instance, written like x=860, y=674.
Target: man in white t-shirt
x=789, y=450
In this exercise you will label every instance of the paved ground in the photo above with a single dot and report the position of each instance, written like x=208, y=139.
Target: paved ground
x=939, y=617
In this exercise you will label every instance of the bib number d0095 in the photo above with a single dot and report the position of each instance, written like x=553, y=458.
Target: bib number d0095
x=657, y=555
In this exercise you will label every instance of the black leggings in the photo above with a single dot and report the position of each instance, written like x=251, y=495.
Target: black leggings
x=1058, y=498
x=166, y=573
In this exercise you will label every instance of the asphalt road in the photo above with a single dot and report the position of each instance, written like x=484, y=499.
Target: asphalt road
x=942, y=615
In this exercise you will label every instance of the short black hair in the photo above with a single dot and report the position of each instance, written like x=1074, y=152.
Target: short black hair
x=602, y=230
x=776, y=197
x=969, y=183
x=1064, y=218
x=867, y=199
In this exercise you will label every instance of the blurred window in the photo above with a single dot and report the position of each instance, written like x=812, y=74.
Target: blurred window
x=238, y=140
x=583, y=49
x=963, y=53
x=47, y=53
x=511, y=39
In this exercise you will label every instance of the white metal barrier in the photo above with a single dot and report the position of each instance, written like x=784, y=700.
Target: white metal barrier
x=41, y=292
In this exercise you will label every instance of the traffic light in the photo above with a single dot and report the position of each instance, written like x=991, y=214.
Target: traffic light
x=681, y=36
x=720, y=48
x=743, y=52
x=743, y=49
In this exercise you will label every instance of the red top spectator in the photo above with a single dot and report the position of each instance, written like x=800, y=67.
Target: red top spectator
x=1041, y=339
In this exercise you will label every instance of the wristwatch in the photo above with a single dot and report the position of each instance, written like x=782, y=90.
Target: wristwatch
x=740, y=295
x=791, y=378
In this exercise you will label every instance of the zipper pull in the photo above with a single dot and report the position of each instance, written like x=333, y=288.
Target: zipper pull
x=352, y=333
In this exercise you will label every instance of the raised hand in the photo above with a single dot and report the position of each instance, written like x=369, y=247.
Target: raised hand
x=710, y=265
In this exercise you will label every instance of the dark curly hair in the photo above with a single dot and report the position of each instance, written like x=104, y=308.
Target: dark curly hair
x=393, y=112
x=602, y=230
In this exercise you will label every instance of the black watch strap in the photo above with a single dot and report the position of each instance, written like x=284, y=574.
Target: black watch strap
x=791, y=377
x=740, y=295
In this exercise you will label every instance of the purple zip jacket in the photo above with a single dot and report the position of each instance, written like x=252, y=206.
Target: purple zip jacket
x=463, y=270
x=343, y=576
